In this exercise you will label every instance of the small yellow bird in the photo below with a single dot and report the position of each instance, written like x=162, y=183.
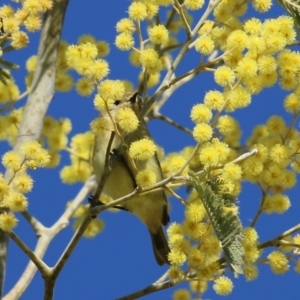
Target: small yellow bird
x=151, y=208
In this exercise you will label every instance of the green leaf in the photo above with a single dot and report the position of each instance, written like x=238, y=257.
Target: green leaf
x=8, y=49
x=227, y=226
x=4, y=76
x=8, y=64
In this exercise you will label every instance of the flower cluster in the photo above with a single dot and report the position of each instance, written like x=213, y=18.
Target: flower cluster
x=81, y=148
x=29, y=15
x=193, y=242
x=12, y=191
x=85, y=59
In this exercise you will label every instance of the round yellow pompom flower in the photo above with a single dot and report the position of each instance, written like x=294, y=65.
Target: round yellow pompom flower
x=202, y=132
x=201, y=113
x=146, y=178
x=159, y=34
x=223, y=286
x=127, y=119
x=278, y=262
x=142, y=149
x=7, y=221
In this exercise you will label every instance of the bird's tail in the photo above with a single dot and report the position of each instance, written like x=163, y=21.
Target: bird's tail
x=160, y=246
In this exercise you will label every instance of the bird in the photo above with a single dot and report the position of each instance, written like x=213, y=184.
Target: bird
x=150, y=208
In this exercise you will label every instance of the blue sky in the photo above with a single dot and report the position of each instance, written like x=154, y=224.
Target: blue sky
x=120, y=261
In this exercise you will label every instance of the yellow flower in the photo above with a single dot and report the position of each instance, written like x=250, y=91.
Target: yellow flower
x=253, y=26
x=32, y=6
x=127, y=119
x=125, y=25
x=276, y=125
x=46, y=5
x=214, y=100
x=99, y=125
x=226, y=124
x=262, y=5
x=94, y=228
x=142, y=149
x=85, y=38
x=175, y=228
x=231, y=172
x=292, y=103
x=159, y=34
x=175, y=257
x=193, y=4
x=208, y=157
x=78, y=172
x=175, y=273
x=98, y=69
x=11, y=161
x=111, y=89
x=202, y=132
x=176, y=163
x=278, y=262
x=224, y=76
x=33, y=23
x=201, y=113
x=6, y=11
x=102, y=48
x=148, y=58
x=124, y=41
x=223, y=286
x=88, y=50
x=15, y=201
x=256, y=45
x=250, y=235
x=251, y=253
x=277, y=203
x=204, y=45
x=266, y=64
x=42, y=158
x=146, y=178
x=103, y=105
x=31, y=63
x=7, y=221
x=19, y=39
x=23, y=183
x=195, y=212
x=251, y=272
x=137, y=11
x=84, y=86
x=182, y=294
x=280, y=154
x=237, y=40
x=247, y=67
x=63, y=81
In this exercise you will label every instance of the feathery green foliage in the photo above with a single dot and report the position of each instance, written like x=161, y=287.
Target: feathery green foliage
x=227, y=225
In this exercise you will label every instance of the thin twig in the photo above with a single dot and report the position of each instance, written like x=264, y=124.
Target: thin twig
x=171, y=122
x=36, y=225
x=243, y=156
x=71, y=151
x=47, y=236
x=165, y=82
x=182, y=201
x=43, y=268
x=274, y=242
x=260, y=208
x=184, y=20
x=155, y=287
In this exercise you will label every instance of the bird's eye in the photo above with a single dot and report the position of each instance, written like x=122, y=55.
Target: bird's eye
x=117, y=102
